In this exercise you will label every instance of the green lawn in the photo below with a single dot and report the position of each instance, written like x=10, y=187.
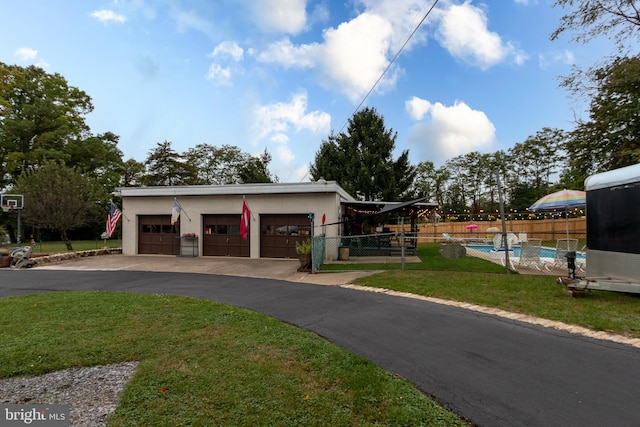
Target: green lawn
x=78, y=245
x=482, y=282
x=203, y=363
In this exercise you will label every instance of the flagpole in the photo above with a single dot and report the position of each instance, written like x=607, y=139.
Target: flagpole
x=121, y=211
x=250, y=210
x=182, y=209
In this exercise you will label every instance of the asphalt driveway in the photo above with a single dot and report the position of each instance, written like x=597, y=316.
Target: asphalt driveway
x=490, y=370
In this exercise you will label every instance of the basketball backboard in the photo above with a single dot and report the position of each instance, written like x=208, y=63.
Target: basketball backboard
x=12, y=201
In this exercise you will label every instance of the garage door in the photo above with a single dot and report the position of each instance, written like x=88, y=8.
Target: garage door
x=156, y=235
x=279, y=234
x=221, y=236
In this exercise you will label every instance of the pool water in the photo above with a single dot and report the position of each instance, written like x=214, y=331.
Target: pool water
x=544, y=252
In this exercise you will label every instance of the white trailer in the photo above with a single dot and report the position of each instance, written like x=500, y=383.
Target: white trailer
x=613, y=230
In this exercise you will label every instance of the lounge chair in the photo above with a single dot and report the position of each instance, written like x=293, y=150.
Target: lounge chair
x=449, y=238
x=512, y=240
x=530, y=253
x=562, y=247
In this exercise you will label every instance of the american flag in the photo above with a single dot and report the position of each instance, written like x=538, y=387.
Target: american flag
x=112, y=219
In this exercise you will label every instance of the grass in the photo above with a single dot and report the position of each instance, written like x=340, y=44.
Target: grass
x=485, y=283
x=203, y=363
x=78, y=245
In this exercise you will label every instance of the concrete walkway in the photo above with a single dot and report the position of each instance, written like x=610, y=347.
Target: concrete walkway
x=266, y=268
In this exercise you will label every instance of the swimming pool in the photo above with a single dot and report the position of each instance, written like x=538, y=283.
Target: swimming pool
x=544, y=251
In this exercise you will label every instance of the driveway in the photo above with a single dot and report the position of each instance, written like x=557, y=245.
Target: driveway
x=265, y=268
x=488, y=369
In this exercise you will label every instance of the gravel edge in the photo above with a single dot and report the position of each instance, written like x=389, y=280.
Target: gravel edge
x=92, y=392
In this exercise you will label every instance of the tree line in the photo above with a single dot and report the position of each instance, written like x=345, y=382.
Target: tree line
x=67, y=174
x=49, y=154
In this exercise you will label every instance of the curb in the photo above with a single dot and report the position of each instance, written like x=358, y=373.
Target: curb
x=524, y=318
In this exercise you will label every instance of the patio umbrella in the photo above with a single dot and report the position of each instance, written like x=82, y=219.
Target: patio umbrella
x=471, y=227
x=564, y=199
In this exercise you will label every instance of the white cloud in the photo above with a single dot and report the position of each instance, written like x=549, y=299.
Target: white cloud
x=403, y=16
x=449, y=131
x=220, y=75
x=417, y=107
x=351, y=58
x=228, y=49
x=26, y=54
x=565, y=57
x=463, y=31
x=286, y=54
x=279, y=16
x=355, y=54
x=192, y=20
x=106, y=15
x=274, y=121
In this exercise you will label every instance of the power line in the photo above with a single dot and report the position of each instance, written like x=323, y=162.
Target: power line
x=386, y=68
x=390, y=63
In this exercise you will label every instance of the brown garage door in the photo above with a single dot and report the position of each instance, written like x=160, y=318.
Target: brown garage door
x=157, y=236
x=279, y=234
x=221, y=236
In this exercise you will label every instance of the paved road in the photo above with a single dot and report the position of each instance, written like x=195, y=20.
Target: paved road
x=493, y=371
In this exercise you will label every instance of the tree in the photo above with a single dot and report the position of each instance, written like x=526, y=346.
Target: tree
x=215, y=165
x=610, y=139
x=361, y=160
x=228, y=165
x=617, y=19
x=58, y=198
x=167, y=167
x=534, y=162
x=98, y=157
x=132, y=173
x=255, y=169
x=425, y=181
x=39, y=114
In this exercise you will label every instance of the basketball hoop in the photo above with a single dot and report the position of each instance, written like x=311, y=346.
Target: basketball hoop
x=12, y=202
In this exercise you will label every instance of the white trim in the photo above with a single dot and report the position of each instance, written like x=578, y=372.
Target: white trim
x=235, y=189
x=613, y=178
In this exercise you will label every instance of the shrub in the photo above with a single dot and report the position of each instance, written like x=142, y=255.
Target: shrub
x=303, y=248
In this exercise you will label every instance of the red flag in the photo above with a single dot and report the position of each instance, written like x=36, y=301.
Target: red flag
x=244, y=220
x=112, y=219
x=324, y=218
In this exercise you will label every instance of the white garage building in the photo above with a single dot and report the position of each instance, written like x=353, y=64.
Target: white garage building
x=209, y=223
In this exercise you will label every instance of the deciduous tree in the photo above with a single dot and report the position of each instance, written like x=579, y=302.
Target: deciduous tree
x=588, y=19
x=58, y=198
x=610, y=139
x=39, y=115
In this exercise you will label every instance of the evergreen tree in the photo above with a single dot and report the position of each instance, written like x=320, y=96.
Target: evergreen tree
x=361, y=161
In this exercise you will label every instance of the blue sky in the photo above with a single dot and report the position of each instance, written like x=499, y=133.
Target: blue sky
x=281, y=74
